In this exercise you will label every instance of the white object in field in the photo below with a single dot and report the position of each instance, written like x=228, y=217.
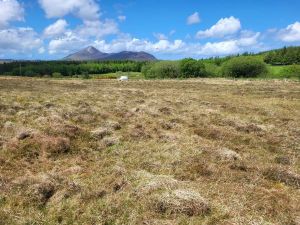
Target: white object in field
x=123, y=78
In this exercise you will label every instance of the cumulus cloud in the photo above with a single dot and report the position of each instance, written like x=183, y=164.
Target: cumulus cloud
x=67, y=44
x=69, y=39
x=41, y=50
x=97, y=28
x=291, y=33
x=72, y=40
x=135, y=44
x=225, y=26
x=56, y=29
x=83, y=9
x=247, y=40
x=11, y=10
x=220, y=48
x=193, y=19
x=19, y=40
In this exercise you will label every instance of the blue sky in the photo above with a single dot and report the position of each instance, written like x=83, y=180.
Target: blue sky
x=51, y=29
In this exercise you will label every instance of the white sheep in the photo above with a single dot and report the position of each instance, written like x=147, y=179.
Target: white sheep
x=123, y=78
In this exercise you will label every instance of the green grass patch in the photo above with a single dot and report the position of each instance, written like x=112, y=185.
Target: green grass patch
x=131, y=75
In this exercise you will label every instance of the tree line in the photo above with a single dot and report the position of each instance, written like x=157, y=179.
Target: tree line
x=66, y=68
x=284, y=56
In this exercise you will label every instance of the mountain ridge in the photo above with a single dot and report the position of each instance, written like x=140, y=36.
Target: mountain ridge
x=90, y=53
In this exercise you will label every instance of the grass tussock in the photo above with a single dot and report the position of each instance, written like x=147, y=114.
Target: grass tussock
x=199, y=151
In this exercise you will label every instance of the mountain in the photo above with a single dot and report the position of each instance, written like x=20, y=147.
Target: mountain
x=91, y=53
x=126, y=55
x=5, y=61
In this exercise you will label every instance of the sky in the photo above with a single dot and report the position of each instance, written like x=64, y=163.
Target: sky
x=168, y=29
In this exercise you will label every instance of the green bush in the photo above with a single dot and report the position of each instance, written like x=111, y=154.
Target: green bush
x=85, y=75
x=244, y=67
x=213, y=70
x=56, y=75
x=162, y=69
x=30, y=73
x=192, y=68
x=291, y=71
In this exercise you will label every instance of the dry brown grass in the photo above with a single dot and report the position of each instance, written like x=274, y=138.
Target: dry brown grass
x=206, y=151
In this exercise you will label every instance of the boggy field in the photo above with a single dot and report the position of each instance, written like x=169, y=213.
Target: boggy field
x=205, y=151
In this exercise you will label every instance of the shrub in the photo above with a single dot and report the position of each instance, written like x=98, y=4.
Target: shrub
x=56, y=75
x=85, y=75
x=30, y=73
x=212, y=70
x=192, y=68
x=244, y=67
x=291, y=71
x=162, y=69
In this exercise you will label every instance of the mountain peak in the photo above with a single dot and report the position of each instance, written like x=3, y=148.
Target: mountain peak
x=91, y=53
x=91, y=49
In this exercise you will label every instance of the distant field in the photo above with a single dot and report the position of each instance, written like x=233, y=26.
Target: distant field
x=198, y=151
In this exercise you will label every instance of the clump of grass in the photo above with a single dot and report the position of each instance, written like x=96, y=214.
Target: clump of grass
x=283, y=175
x=182, y=201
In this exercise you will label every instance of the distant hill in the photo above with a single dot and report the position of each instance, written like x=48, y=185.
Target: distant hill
x=91, y=53
x=6, y=60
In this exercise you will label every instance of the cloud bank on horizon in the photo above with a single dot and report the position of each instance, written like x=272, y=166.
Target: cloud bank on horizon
x=50, y=29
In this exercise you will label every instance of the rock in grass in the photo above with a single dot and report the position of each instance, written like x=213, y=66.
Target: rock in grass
x=182, y=201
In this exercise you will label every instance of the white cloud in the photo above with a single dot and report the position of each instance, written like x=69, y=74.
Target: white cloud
x=225, y=26
x=220, y=48
x=11, y=10
x=134, y=44
x=121, y=18
x=248, y=38
x=246, y=42
x=67, y=44
x=72, y=40
x=97, y=28
x=83, y=9
x=160, y=36
x=193, y=19
x=56, y=29
x=291, y=33
x=41, y=50
x=87, y=10
x=19, y=40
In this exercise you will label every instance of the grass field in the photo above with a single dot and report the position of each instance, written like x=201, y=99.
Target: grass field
x=204, y=151
x=131, y=75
